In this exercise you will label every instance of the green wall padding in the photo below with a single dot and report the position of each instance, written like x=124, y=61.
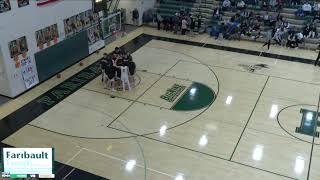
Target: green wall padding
x=56, y=58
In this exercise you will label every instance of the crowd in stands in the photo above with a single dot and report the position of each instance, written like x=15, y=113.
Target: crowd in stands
x=276, y=27
x=267, y=22
x=118, y=66
x=181, y=22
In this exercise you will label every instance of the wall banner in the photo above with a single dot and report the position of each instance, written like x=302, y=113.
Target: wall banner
x=95, y=40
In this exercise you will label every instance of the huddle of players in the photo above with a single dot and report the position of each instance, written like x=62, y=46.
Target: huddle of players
x=111, y=64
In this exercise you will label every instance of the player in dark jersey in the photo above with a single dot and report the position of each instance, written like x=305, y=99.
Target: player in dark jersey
x=103, y=61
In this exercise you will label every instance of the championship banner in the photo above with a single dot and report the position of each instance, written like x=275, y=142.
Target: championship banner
x=28, y=71
x=45, y=2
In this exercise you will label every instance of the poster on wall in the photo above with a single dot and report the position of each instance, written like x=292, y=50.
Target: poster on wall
x=95, y=40
x=28, y=71
x=47, y=35
x=5, y=6
x=79, y=22
x=94, y=34
x=22, y=3
x=18, y=47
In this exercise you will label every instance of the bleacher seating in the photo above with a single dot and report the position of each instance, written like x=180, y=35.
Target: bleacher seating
x=205, y=8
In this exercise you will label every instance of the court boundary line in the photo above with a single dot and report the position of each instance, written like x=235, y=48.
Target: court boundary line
x=249, y=118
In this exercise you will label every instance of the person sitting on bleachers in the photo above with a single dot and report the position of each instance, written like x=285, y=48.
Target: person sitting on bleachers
x=291, y=41
x=307, y=9
x=295, y=2
x=316, y=17
x=273, y=4
x=299, y=38
x=273, y=19
x=266, y=18
x=306, y=31
x=241, y=5
x=264, y=5
x=278, y=36
x=316, y=7
x=226, y=5
x=313, y=31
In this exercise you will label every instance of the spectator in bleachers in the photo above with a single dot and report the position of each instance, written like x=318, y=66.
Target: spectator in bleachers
x=316, y=7
x=291, y=42
x=159, y=21
x=269, y=36
x=165, y=23
x=171, y=24
x=184, y=26
x=313, y=33
x=273, y=19
x=278, y=36
x=188, y=18
x=265, y=5
x=279, y=4
x=285, y=24
x=295, y=2
x=217, y=14
x=316, y=17
x=266, y=18
x=273, y=4
x=299, y=38
x=176, y=23
x=216, y=30
x=306, y=30
x=192, y=24
x=307, y=9
x=199, y=23
x=226, y=5
x=241, y=5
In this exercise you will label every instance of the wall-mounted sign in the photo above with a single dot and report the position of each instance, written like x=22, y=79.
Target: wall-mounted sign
x=5, y=6
x=28, y=71
x=46, y=35
x=80, y=22
x=17, y=47
x=22, y=3
x=45, y=2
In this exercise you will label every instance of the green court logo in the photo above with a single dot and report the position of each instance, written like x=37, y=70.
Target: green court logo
x=173, y=92
x=308, y=122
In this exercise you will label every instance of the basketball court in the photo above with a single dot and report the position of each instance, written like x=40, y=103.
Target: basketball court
x=195, y=112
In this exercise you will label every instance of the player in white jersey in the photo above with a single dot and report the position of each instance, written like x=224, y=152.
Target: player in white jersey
x=125, y=77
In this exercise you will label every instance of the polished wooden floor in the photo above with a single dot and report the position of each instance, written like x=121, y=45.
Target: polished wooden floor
x=248, y=131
